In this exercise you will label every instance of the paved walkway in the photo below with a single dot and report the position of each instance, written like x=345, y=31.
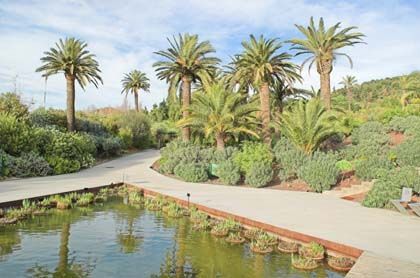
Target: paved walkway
x=382, y=232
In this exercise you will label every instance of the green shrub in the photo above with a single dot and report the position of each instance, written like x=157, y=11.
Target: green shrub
x=192, y=172
x=319, y=171
x=15, y=135
x=289, y=157
x=11, y=104
x=107, y=146
x=228, y=172
x=90, y=126
x=389, y=185
x=42, y=117
x=259, y=175
x=372, y=167
x=62, y=165
x=252, y=153
x=28, y=165
x=367, y=130
x=408, y=152
x=403, y=124
x=126, y=136
x=344, y=165
x=4, y=161
x=68, y=152
x=139, y=124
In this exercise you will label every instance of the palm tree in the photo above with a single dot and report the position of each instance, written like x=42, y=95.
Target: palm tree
x=322, y=45
x=261, y=63
x=71, y=57
x=308, y=124
x=349, y=82
x=220, y=113
x=134, y=82
x=186, y=62
x=282, y=92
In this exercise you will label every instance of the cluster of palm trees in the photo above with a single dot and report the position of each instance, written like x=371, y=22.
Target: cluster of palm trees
x=222, y=106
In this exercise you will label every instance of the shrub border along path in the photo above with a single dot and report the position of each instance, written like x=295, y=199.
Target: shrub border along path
x=381, y=232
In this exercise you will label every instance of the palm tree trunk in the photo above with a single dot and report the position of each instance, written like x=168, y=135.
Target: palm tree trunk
x=186, y=99
x=265, y=112
x=71, y=118
x=220, y=141
x=64, y=249
x=349, y=98
x=324, y=70
x=136, y=100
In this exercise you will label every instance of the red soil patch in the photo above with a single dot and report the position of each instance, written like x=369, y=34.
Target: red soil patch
x=294, y=185
x=396, y=138
x=346, y=180
x=356, y=198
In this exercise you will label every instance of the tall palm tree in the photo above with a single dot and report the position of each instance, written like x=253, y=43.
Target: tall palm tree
x=186, y=62
x=308, y=124
x=220, y=114
x=349, y=82
x=322, y=44
x=262, y=63
x=134, y=82
x=71, y=57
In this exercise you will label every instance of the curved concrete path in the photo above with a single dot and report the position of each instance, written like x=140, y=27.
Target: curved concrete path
x=382, y=232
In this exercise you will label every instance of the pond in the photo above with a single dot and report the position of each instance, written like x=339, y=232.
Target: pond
x=115, y=239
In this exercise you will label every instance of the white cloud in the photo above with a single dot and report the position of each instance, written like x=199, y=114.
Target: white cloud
x=124, y=36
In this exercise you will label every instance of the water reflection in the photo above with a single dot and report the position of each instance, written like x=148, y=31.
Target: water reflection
x=119, y=240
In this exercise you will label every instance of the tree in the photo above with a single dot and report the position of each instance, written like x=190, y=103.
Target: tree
x=262, y=63
x=308, y=124
x=349, y=82
x=71, y=57
x=322, y=45
x=186, y=62
x=220, y=113
x=134, y=82
x=282, y=92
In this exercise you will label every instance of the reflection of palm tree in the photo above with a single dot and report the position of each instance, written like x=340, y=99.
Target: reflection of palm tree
x=127, y=237
x=65, y=268
x=8, y=240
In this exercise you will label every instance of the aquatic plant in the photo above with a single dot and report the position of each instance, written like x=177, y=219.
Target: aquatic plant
x=85, y=199
x=340, y=263
x=312, y=251
x=252, y=233
x=288, y=246
x=266, y=238
x=235, y=238
x=220, y=229
x=260, y=246
x=174, y=210
x=134, y=198
x=301, y=262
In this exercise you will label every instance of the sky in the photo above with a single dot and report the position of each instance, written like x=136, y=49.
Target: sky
x=124, y=35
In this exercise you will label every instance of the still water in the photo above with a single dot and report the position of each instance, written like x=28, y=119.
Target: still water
x=117, y=240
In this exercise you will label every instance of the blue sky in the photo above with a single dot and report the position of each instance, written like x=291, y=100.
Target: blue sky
x=124, y=36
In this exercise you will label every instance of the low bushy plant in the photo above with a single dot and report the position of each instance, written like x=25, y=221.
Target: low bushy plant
x=366, y=131
x=253, y=153
x=139, y=124
x=403, y=124
x=228, y=172
x=259, y=175
x=289, y=157
x=28, y=165
x=408, y=152
x=68, y=152
x=319, y=171
x=192, y=172
x=344, y=165
x=126, y=136
x=372, y=167
x=15, y=135
x=389, y=186
x=42, y=117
